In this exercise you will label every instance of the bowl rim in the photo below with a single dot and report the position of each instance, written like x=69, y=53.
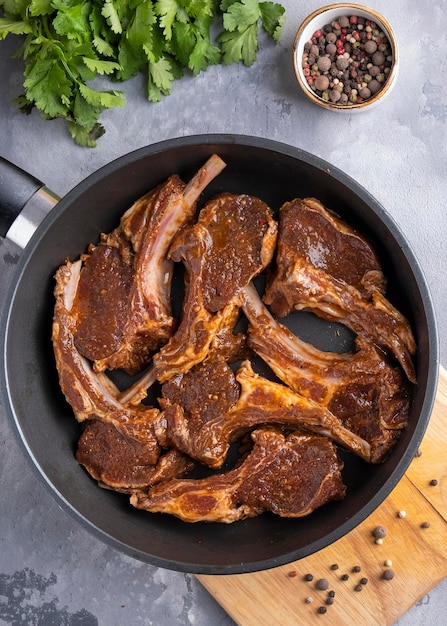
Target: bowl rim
x=298, y=46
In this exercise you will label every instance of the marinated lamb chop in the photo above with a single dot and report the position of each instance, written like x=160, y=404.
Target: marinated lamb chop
x=233, y=241
x=122, y=304
x=123, y=462
x=260, y=402
x=325, y=266
x=118, y=446
x=368, y=394
x=289, y=475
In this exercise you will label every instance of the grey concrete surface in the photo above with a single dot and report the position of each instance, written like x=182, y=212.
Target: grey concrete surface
x=51, y=570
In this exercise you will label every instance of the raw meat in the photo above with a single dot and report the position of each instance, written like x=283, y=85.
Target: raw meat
x=324, y=266
x=288, y=475
x=261, y=401
x=121, y=461
x=122, y=305
x=118, y=445
x=217, y=270
x=368, y=394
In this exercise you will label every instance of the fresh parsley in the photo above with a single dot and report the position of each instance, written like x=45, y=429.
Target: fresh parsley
x=66, y=44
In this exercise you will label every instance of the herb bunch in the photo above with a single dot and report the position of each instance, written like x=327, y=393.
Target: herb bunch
x=69, y=43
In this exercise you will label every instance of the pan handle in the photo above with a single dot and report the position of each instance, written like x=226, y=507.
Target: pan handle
x=24, y=202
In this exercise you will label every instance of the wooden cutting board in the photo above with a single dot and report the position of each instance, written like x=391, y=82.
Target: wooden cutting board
x=418, y=555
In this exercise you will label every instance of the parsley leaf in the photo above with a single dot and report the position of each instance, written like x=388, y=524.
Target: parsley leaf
x=241, y=15
x=110, y=13
x=48, y=86
x=68, y=43
x=272, y=16
x=15, y=27
x=240, y=46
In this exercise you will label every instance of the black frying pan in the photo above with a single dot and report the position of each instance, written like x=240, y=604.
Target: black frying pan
x=45, y=423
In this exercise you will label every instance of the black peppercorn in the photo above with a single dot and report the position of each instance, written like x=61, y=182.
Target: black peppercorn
x=322, y=584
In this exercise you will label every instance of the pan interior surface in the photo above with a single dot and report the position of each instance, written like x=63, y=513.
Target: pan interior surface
x=276, y=173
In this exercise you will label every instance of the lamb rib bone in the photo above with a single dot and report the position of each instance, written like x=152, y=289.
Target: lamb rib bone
x=123, y=305
x=363, y=389
x=216, y=271
x=288, y=475
x=94, y=400
x=260, y=402
x=324, y=266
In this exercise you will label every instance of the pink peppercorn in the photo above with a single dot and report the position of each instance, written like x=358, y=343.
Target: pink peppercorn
x=353, y=19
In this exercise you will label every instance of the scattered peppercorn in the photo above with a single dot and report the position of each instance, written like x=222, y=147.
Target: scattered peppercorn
x=358, y=588
x=308, y=577
x=331, y=594
x=347, y=61
x=364, y=581
x=388, y=563
x=322, y=584
x=344, y=577
x=388, y=574
x=425, y=525
x=322, y=609
x=356, y=569
x=329, y=601
x=309, y=600
x=334, y=566
x=378, y=541
x=418, y=453
x=379, y=532
x=293, y=573
x=433, y=482
x=402, y=514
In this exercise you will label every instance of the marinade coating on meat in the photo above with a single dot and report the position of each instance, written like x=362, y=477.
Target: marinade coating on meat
x=290, y=476
x=118, y=325
x=324, y=266
x=232, y=241
x=208, y=390
x=123, y=305
x=116, y=458
x=113, y=310
x=118, y=446
x=364, y=390
x=261, y=401
x=241, y=239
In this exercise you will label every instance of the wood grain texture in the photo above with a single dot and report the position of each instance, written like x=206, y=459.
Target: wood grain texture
x=418, y=555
